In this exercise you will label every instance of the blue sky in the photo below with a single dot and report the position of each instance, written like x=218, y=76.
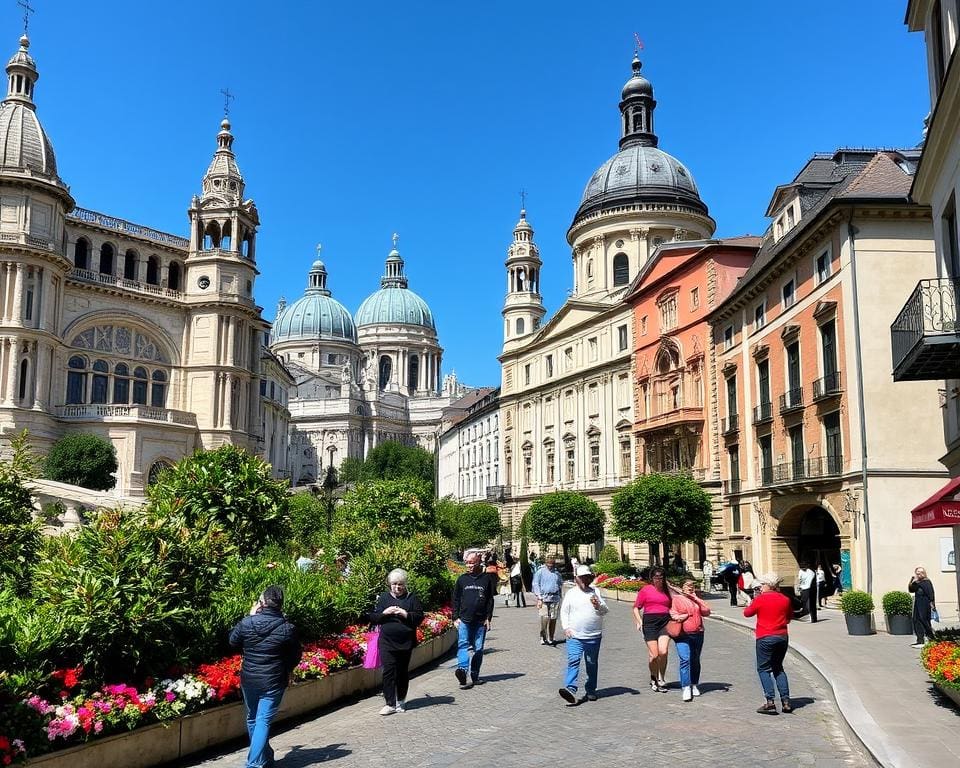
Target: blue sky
x=353, y=121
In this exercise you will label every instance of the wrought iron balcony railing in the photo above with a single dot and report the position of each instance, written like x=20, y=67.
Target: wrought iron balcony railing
x=803, y=470
x=828, y=386
x=791, y=400
x=497, y=492
x=762, y=413
x=730, y=424
x=766, y=475
x=925, y=337
x=731, y=487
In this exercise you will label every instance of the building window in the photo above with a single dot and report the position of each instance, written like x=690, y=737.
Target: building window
x=549, y=362
x=570, y=459
x=760, y=315
x=106, y=259
x=594, y=461
x=121, y=383
x=622, y=339
x=766, y=459
x=828, y=347
x=592, y=347
x=668, y=313
x=736, y=524
x=99, y=382
x=526, y=374
x=153, y=271
x=158, y=389
x=173, y=277
x=728, y=337
x=790, y=218
x=950, y=245
x=625, y=458
x=520, y=327
x=822, y=266
x=549, y=462
x=568, y=359
x=694, y=298
x=788, y=294
x=834, y=445
x=733, y=458
x=793, y=366
x=731, y=399
x=386, y=369
x=621, y=269
x=413, y=372
x=140, y=385
x=797, y=456
x=81, y=254
x=527, y=467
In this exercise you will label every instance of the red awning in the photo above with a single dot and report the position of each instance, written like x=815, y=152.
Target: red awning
x=941, y=510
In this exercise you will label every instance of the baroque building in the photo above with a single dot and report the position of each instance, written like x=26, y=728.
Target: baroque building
x=468, y=461
x=364, y=379
x=566, y=403
x=149, y=339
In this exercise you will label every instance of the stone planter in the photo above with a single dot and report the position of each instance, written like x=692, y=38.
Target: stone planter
x=897, y=624
x=951, y=693
x=165, y=742
x=859, y=624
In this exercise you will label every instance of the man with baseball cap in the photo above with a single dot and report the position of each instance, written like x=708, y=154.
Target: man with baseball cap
x=582, y=619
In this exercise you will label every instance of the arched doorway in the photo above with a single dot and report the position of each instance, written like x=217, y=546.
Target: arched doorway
x=811, y=535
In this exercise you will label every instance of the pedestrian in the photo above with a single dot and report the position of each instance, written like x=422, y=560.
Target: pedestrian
x=533, y=561
x=516, y=584
x=582, y=618
x=707, y=570
x=689, y=609
x=773, y=610
x=821, y=587
x=398, y=613
x=745, y=584
x=270, y=651
x=654, y=601
x=548, y=587
x=731, y=575
x=472, y=613
x=806, y=590
x=924, y=605
x=837, y=580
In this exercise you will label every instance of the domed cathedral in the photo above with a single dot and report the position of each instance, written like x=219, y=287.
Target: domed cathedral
x=566, y=388
x=363, y=380
x=148, y=339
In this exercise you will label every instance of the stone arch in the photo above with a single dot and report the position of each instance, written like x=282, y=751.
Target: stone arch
x=168, y=348
x=81, y=253
x=808, y=531
x=108, y=254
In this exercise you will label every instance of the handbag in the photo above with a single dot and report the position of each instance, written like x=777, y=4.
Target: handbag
x=935, y=615
x=371, y=658
x=674, y=628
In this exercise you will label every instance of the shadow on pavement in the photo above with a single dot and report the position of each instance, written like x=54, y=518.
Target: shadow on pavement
x=801, y=701
x=708, y=687
x=428, y=701
x=299, y=757
x=503, y=676
x=617, y=690
x=945, y=702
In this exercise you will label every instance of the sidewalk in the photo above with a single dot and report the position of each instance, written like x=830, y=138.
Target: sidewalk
x=880, y=687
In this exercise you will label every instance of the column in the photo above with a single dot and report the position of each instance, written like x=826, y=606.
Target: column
x=17, y=317
x=42, y=378
x=4, y=292
x=228, y=401
x=12, y=363
x=580, y=431
x=231, y=330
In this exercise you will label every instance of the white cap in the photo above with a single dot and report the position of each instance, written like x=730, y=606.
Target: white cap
x=584, y=570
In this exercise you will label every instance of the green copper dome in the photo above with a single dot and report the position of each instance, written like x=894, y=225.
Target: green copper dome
x=394, y=303
x=316, y=315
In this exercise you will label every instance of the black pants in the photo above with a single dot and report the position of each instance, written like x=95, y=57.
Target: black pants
x=921, y=626
x=516, y=589
x=396, y=675
x=808, y=604
x=732, y=586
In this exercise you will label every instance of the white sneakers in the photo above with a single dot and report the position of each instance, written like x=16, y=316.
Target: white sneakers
x=694, y=690
x=401, y=705
x=687, y=693
x=387, y=710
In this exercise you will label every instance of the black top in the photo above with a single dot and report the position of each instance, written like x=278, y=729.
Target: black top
x=473, y=598
x=396, y=633
x=270, y=649
x=923, y=595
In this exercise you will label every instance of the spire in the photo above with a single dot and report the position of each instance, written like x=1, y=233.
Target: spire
x=223, y=177
x=22, y=75
x=636, y=109
x=317, y=279
x=393, y=276
x=523, y=305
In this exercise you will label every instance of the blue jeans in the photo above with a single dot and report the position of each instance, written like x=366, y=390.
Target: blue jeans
x=261, y=708
x=590, y=651
x=470, y=634
x=771, y=651
x=688, y=649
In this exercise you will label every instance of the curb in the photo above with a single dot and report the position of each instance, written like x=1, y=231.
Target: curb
x=855, y=714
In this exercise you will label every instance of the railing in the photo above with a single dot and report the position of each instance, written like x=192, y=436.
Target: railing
x=828, y=386
x=762, y=413
x=930, y=315
x=497, y=492
x=89, y=276
x=119, y=225
x=806, y=469
x=100, y=412
x=731, y=487
x=766, y=475
x=791, y=400
x=22, y=238
x=697, y=473
x=730, y=424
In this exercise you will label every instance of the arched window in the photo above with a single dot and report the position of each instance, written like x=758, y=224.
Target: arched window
x=413, y=372
x=621, y=269
x=24, y=371
x=226, y=238
x=520, y=326
x=81, y=254
x=173, y=276
x=106, y=259
x=99, y=388
x=130, y=265
x=156, y=469
x=121, y=383
x=386, y=368
x=158, y=390
x=139, y=385
x=76, y=380
x=153, y=270
x=211, y=236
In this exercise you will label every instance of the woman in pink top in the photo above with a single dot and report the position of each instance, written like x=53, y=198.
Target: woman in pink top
x=654, y=600
x=688, y=608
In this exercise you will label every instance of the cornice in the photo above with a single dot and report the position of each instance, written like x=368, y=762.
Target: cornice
x=941, y=130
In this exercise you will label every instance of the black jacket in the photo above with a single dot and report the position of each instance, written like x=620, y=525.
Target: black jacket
x=397, y=634
x=923, y=597
x=270, y=649
x=473, y=598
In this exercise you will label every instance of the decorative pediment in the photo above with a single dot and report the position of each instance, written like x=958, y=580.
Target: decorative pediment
x=790, y=332
x=622, y=425
x=593, y=431
x=729, y=368
x=760, y=351
x=825, y=310
x=569, y=437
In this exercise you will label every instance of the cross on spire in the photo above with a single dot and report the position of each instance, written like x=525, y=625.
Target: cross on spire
x=227, y=98
x=27, y=10
x=523, y=199
x=395, y=239
x=319, y=248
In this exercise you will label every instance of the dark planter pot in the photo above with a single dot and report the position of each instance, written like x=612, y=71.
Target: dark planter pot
x=897, y=624
x=859, y=625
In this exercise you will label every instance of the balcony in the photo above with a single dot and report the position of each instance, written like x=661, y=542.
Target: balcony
x=32, y=241
x=802, y=471
x=697, y=473
x=498, y=493
x=730, y=425
x=731, y=487
x=827, y=387
x=125, y=413
x=127, y=227
x=675, y=417
x=763, y=413
x=791, y=400
x=925, y=337
x=113, y=281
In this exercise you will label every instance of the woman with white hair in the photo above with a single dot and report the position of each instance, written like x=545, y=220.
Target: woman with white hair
x=399, y=613
x=773, y=610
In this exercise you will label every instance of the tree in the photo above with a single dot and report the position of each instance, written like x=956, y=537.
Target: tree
x=351, y=470
x=662, y=508
x=479, y=524
x=385, y=508
x=392, y=460
x=565, y=518
x=19, y=534
x=307, y=521
x=82, y=459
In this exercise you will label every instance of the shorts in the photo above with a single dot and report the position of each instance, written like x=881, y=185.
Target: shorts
x=654, y=625
x=549, y=611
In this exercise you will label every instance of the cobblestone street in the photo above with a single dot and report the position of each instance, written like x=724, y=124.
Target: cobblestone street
x=517, y=718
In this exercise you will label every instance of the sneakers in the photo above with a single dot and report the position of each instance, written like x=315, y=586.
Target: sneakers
x=543, y=641
x=687, y=693
x=768, y=709
x=387, y=710
x=568, y=695
x=694, y=690
x=591, y=697
x=401, y=706
x=785, y=706
x=461, y=675
x=656, y=687
x=917, y=645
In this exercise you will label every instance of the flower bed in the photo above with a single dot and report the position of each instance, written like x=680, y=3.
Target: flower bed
x=40, y=725
x=621, y=583
x=942, y=661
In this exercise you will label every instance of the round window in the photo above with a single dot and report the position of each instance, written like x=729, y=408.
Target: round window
x=203, y=282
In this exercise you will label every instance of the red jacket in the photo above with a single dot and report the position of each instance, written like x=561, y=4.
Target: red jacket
x=773, y=611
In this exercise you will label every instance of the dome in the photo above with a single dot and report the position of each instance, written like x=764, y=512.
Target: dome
x=316, y=315
x=395, y=306
x=23, y=142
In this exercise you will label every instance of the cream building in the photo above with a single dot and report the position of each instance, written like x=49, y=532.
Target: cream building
x=364, y=379
x=148, y=339
x=468, y=461
x=566, y=407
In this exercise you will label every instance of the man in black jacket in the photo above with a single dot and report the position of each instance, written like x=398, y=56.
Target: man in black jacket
x=270, y=651
x=472, y=612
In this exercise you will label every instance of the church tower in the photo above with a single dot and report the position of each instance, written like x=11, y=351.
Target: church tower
x=222, y=345
x=523, y=307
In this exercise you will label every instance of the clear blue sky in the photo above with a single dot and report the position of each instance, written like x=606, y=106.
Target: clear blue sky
x=353, y=121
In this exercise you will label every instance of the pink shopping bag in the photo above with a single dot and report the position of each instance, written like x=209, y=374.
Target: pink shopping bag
x=371, y=659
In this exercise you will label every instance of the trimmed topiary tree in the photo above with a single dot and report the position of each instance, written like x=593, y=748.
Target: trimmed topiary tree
x=82, y=459
x=566, y=518
x=609, y=554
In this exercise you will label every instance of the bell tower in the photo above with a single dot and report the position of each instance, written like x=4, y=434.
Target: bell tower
x=523, y=306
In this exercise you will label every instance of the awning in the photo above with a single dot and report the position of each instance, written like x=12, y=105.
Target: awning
x=941, y=510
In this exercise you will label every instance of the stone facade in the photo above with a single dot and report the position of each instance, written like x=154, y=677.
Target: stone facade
x=468, y=466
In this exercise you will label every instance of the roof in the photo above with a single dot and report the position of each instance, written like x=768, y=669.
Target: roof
x=460, y=410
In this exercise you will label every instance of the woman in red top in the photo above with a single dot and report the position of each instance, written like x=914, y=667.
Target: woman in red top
x=654, y=600
x=773, y=611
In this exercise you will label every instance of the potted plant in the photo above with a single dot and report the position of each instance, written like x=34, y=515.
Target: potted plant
x=898, y=608
x=857, y=609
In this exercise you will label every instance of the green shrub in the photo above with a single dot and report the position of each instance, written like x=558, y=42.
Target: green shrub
x=19, y=534
x=308, y=522
x=856, y=603
x=82, y=459
x=31, y=634
x=609, y=554
x=614, y=569
x=389, y=508
x=897, y=603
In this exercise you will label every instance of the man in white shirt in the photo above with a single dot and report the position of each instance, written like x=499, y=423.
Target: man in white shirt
x=581, y=617
x=806, y=589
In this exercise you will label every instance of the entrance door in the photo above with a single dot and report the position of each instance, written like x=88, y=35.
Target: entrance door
x=819, y=539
